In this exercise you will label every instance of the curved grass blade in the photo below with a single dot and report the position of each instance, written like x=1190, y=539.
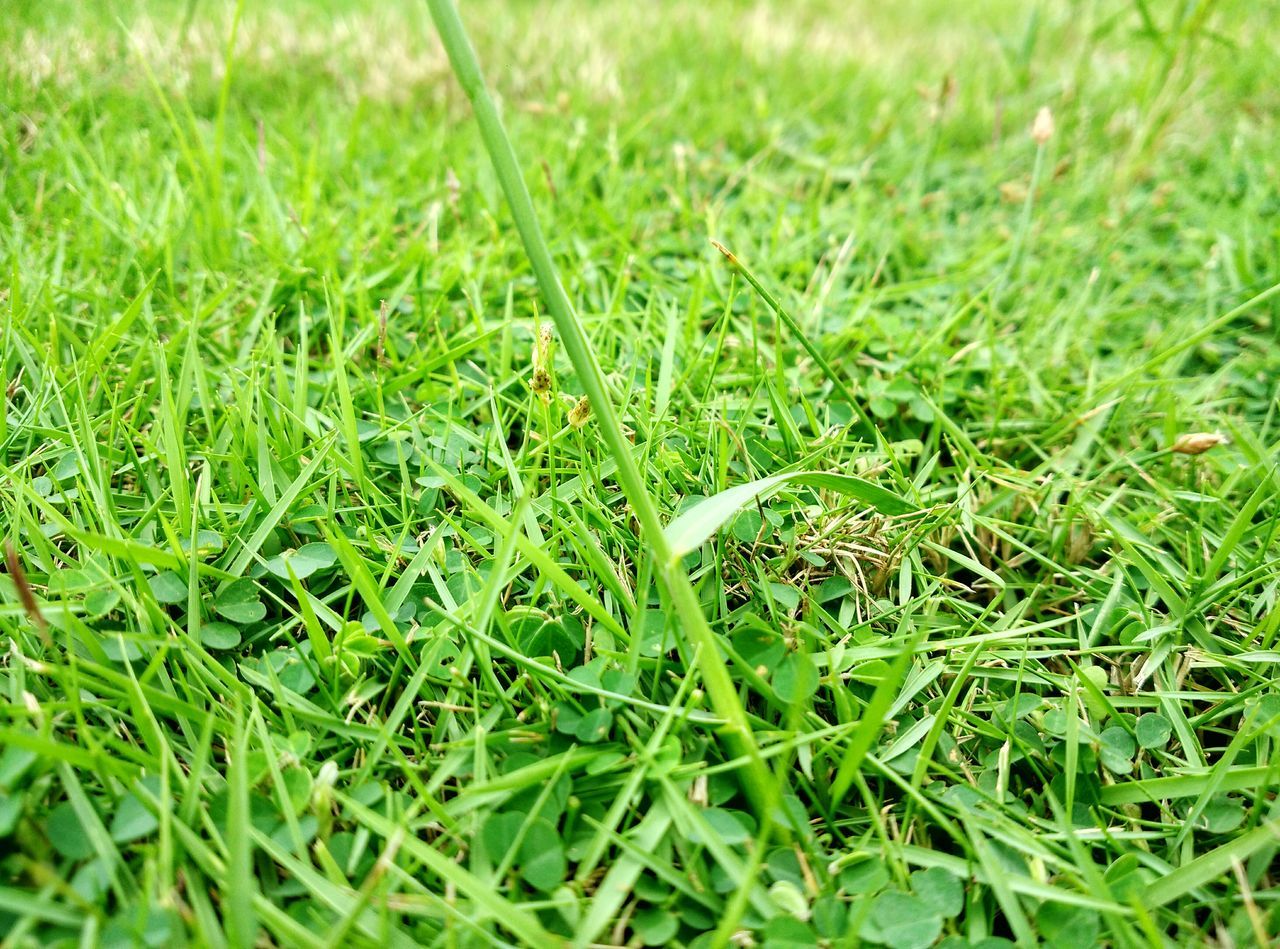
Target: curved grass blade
x=756, y=779
x=691, y=529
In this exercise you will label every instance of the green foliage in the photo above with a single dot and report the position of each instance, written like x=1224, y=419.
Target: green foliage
x=352, y=639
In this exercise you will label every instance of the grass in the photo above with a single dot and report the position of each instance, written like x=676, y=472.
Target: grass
x=351, y=637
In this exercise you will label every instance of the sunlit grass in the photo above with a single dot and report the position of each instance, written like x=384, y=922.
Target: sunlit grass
x=356, y=633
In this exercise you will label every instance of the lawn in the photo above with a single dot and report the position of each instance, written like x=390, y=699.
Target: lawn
x=360, y=593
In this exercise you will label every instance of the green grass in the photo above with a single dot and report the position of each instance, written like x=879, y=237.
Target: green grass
x=352, y=638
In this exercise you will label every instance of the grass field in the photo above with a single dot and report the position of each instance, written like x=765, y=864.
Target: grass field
x=326, y=622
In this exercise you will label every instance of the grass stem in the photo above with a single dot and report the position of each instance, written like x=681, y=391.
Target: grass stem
x=680, y=593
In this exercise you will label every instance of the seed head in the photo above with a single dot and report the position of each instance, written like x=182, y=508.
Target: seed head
x=543, y=352
x=1197, y=443
x=698, y=791
x=580, y=413
x=327, y=776
x=541, y=383
x=1042, y=127
x=545, y=342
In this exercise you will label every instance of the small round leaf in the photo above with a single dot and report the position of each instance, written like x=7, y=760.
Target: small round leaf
x=1154, y=731
x=168, y=588
x=219, y=636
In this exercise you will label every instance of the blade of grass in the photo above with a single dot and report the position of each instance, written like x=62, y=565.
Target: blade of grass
x=687, y=532
x=1187, y=785
x=771, y=301
x=241, y=921
x=872, y=721
x=1209, y=866
x=514, y=918
x=719, y=685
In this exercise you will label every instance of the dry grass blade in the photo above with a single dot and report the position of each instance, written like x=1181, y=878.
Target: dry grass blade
x=26, y=595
